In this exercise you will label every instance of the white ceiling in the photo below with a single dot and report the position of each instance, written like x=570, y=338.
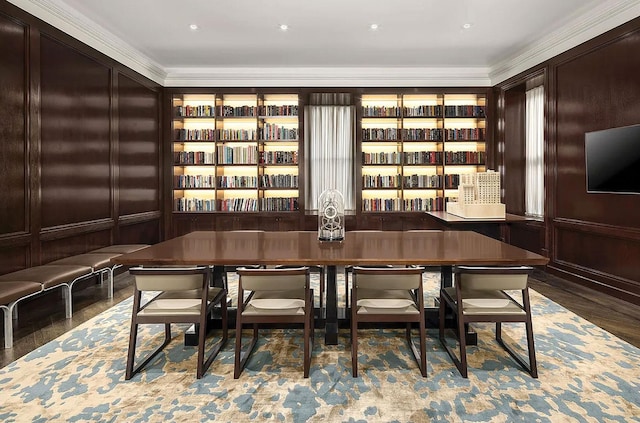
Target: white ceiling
x=330, y=43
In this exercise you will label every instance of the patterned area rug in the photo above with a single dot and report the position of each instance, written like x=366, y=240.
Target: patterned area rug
x=586, y=375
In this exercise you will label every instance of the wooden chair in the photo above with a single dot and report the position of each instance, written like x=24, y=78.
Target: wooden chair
x=388, y=295
x=481, y=291
x=185, y=297
x=277, y=296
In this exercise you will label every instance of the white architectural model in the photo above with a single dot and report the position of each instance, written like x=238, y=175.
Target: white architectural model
x=478, y=196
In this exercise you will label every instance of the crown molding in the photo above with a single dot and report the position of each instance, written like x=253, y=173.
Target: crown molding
x=78, y=26
x=328, y=77
x=598, y=20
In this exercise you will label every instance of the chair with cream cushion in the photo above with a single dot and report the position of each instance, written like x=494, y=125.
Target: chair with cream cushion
x=185, y=297
x=482, y=293
x=275, y=296
x=388, y=295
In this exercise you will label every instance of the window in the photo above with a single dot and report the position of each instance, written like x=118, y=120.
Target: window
x=534, y=148
x=329, y=153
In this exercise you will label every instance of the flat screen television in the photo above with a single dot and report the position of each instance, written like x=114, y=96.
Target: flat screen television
x=613, y=160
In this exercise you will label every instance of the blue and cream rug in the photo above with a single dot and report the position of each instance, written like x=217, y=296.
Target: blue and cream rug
x=586, y=375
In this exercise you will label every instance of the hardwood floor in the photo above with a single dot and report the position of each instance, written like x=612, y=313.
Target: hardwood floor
x=42, y=318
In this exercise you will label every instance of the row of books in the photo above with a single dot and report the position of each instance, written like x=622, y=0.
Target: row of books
x=451, y=181
x=423, y=111
x=464, y=111
x=464, y=157
x=237, y=134
x=239, y=204
x=272, y=132
x=410, y=158
x=381, y=181
x=465, y=134
x=195, y=134
x=194, y=181
x=195, y=111
x=423, y=157
x=422, y=181
x=428, y=111
x=237, y=154
x=380, y=111
x=381, y=158
x=193, y=157
x=195, y=205
x=279, y=157
x=238, y=111
x=238, y=181
x=283, y=110
x=279, y=204
x=381, y=204
x=279, y=181
x=420, y=134
x=424, y=204
x=407, y=134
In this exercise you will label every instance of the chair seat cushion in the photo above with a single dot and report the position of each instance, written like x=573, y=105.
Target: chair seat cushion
x=177, y=302
x=391, y=301
x=48, y=275
x=120, y=249
x=14, y=290
x=282, y=303
x=487, y=302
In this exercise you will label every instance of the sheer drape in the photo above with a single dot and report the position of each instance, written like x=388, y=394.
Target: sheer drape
x=534, y=145
x=329, y=153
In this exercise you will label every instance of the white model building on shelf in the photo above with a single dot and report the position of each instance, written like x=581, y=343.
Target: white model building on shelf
x=478, y=196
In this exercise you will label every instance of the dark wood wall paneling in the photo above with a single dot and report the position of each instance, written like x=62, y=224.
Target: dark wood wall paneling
x=13, y=146
x=80, y=154
x=596, y=236
x=593, y=239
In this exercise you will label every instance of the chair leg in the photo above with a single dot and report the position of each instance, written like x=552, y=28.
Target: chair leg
x=8, y=327
x=322, y=283
x=354, y=343
x=131, y=369
x=241, y=357
x=532, y=367
x=307, y=348
x=460, y=363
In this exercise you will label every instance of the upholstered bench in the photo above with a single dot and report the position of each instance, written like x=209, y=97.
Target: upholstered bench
x=11, y=292
x=50, y=277
x=99, y=263
x=120, y=248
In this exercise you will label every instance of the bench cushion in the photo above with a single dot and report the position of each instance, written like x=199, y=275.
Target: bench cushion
x=120, y=248
x=14, y=290
x=48, y=275
x=94, y=260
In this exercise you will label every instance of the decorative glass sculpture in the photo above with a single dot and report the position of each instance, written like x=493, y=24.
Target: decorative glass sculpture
x=331, y=216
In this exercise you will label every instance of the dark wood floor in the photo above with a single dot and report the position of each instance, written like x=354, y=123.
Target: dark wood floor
x=42, y=319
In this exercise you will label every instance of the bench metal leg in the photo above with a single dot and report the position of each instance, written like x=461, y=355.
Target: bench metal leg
x=8, y=326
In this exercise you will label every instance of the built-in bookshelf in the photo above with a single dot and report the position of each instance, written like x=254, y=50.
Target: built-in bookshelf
x=235, y=152
x=416, y=146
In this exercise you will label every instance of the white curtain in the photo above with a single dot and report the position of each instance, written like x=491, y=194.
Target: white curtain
x=534, y=147
x=329, y=153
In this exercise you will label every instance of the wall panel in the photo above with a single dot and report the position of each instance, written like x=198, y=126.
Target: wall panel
x=75, y=136
x=138, y=147
x=13, y=134
x=595, y=91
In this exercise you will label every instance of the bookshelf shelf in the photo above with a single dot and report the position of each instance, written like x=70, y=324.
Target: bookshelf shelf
x=223, y=146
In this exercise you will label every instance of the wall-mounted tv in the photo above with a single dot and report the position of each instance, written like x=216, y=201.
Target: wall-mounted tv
x=613, y=160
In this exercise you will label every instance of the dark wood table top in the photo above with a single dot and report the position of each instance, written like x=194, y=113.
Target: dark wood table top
x=435, y=248
x=449, y=218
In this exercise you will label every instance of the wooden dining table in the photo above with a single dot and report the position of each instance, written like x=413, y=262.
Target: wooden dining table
x=443, y=249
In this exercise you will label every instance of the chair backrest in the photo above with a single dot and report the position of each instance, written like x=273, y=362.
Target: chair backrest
x=169, y=278
x=387, y=278
x=273, y=279
x=492, y=278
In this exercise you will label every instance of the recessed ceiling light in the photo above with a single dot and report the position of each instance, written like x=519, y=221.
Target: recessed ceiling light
x=373, y=27
x=466, y=26
x=284, y=27
x=193, y=27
